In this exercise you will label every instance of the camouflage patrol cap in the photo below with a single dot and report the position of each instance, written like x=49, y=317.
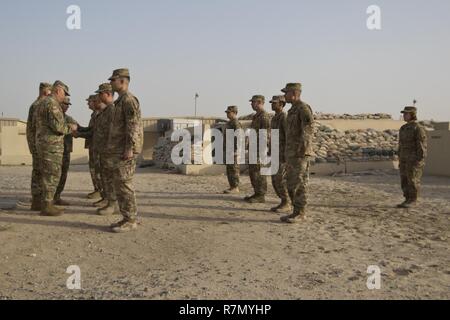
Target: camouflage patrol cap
x=232, y=109
x=45, y=85
x=67, y=101
x=104, y=87
x=281, y=99
x=258, y=97
x=120, y=73
x=91, y=97
x=409, y=110
x=61, y=84
x=292, y=87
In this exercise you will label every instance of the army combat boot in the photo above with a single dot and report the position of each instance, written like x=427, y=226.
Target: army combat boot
x=247, y=198
x=257, y=199
x=124, y=226
x=94, y=195
x=283, y=206
x=232, y=191
x=101, y=203
x=111, y=209
x=297, y=216
x=36, y=204
x=49, y=210
x=59, y=202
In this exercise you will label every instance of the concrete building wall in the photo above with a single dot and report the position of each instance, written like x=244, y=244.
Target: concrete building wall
x=438, y=161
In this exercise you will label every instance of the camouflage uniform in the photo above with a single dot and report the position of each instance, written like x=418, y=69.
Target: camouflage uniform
x=51, y=128
x=279, y=121
x=125, y=133
x=412, y=153
x=68, y=149
x=299, y=148
x=36, y=191
x=233, y=170
x=88, y=134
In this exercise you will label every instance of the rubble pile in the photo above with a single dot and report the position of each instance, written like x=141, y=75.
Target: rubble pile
x=362, y=116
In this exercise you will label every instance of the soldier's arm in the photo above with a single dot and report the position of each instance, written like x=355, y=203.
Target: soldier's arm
x=421, y=146
x=30, y=130
x=56, y=120
x=133, y=124
x=306, y=120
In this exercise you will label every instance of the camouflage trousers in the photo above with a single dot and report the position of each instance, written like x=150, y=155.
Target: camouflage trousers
x=411, y=175
x=64, y=171
x=233, y=172
x=50, y=166
x=279, y=183
x=121, y=174
x=106, y=178
x=95, y=175
x=297, y=178
x=36, y=191
x=259, y=182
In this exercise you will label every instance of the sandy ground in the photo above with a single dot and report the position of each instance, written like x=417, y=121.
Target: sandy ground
x=195, y=243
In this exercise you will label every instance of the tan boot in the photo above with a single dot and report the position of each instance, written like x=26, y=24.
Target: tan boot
x=60, y=202
x=297, y=216
x=232, y=191
x=283, y=206
x=111, y=209
x=101, y=204
x=36, y=204
x=94, y=195
x=125, y=226
x=257, y=199
x=49, y=210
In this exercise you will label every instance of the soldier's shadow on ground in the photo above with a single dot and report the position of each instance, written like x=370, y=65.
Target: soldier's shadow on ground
x=203, y=207
x=271, y=219
x=54, y=223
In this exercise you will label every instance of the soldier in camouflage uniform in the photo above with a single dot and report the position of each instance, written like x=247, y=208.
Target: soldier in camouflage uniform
x=260, y=121
x=51, y=127
x=68, y=149
x=124, y=144
x=233, y=170
x=299, y=149
x=87, y=133
x=279, y=179
x=45, y=90
x=412, y=153
x=101, y=133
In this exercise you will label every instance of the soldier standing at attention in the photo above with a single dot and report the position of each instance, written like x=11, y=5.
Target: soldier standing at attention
x=45, y=89
x=260, y=121
x=101, y=132
x=68, y=149
x=299, y=149
x=124, y=144
x=412, y=153
x=279, y=179
x=51, y=127
x=233, y=170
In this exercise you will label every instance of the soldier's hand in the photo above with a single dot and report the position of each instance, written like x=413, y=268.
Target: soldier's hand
x=128, y=155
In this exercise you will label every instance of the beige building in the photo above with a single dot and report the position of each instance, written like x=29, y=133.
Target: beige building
x=438, y=162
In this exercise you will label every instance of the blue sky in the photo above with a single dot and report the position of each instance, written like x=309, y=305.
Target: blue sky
x=229, y=50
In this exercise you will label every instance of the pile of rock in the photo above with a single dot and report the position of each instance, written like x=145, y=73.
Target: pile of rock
x=362, y=116
x=331, y=145
x=162, y=152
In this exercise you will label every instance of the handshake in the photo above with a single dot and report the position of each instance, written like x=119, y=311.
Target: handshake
x=74, y=129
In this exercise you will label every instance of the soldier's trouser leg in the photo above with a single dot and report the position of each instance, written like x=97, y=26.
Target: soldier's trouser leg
x=98, y=172
x=279, y=183
x=297, y=182
x=92, y=170
x=107, y=178
x=36, y=191
x=51, y=164
x=233, y=171
x=259, y=182
x=64, y=171
x=122, y=175
x=411, y=175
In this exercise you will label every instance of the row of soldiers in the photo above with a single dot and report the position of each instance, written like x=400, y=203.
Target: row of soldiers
x=296, y=149
x=114, y=138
